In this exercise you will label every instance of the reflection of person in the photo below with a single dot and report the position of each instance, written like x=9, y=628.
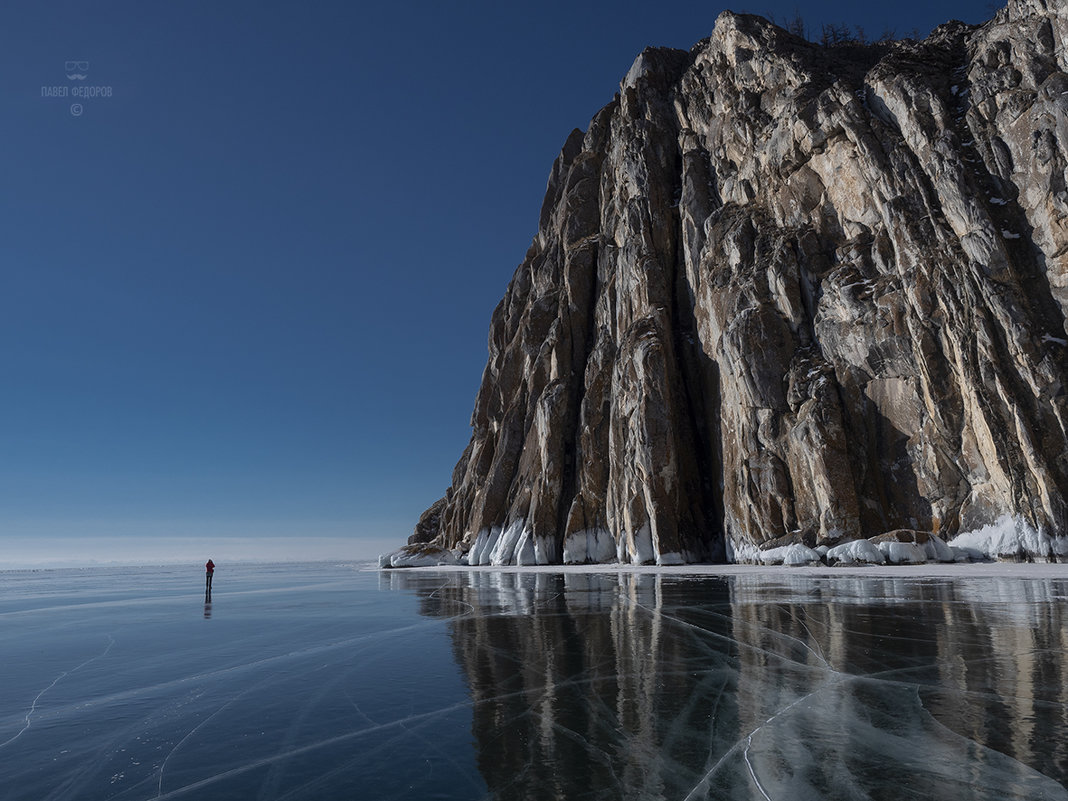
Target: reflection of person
x=210, y=567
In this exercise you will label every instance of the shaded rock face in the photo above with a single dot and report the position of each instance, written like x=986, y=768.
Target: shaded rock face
x=784, y=293
x=429, y=524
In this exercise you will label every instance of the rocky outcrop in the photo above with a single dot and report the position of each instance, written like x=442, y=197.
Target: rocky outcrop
x=429, y=524
x=780, y=294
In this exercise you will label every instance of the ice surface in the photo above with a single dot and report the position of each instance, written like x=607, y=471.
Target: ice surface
x=302, y=681
x=326, y=681
x=617, y=683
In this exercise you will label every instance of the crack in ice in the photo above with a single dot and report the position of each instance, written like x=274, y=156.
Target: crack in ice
x=195, y=729
x=748, y=764
x=242, y=667
x=818, y=652
x=60, y=677
x=748, y=739
x=340, y=738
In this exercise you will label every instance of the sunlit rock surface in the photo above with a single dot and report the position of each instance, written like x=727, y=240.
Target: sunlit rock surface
x=787, y=295
x=641, y=686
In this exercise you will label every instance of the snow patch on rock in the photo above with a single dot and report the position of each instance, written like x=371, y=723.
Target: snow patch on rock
x=643, y=546
x=504, y=551
x=1009, y=538
x=546, y=551
x=670, y=559
x=937, y=551
x=596, y=545
x=792, y=555
x=525, y=552
x=483, y=545
x=903, y=553
x=856, y=551
x=418, y=556
x=741, y=553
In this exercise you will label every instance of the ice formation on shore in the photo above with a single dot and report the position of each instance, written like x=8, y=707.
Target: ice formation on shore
x=1007, y=539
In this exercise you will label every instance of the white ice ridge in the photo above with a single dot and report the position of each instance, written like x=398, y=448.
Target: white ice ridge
x=670, y=558
x=484, y=543
x=859, y=551
x=1010, y=537
x=643, y=547
x=795, y=554
x=515, y=544
x=33, y=707
x=740, y=553
x=903, y=553
x=400, y=558
x=511, y=544
x=596, y=545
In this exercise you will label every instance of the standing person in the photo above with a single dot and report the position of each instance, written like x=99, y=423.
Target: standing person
x=210, y=567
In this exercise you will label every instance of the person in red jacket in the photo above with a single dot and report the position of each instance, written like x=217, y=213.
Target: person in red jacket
x=210, y=567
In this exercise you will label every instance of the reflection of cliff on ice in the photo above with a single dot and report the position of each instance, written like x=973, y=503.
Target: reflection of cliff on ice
x=630, y=685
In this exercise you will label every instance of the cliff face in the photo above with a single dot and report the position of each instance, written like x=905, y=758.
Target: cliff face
x=784, y=293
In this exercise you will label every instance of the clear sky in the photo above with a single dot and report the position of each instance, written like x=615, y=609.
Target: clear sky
x=247, y=294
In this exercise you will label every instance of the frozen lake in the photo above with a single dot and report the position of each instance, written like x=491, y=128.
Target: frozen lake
x=334, y=681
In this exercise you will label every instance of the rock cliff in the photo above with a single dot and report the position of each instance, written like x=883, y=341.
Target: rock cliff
x=782, y=293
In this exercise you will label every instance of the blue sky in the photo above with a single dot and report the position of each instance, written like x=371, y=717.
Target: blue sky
x=248, y=293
